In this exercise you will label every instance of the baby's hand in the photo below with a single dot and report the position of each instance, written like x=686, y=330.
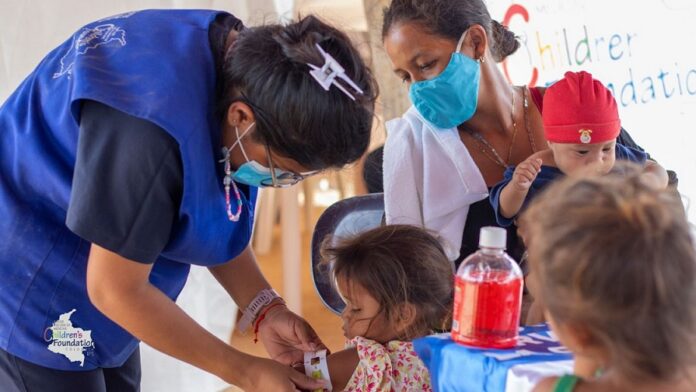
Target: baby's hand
x=525, y=173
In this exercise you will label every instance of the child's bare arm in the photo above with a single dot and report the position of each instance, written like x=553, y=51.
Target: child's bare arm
x=656, y=173
x=341, y=367
x=513, y=194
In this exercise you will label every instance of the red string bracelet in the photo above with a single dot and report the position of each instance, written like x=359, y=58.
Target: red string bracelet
x=261, y=317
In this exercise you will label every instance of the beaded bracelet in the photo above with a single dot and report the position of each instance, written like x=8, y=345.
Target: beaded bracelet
x=263, y=298
x=261, y=318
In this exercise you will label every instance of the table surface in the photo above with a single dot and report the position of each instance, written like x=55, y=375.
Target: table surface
x=454, y=367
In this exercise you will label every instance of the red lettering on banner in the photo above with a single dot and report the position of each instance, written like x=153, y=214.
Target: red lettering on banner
x=517, y=9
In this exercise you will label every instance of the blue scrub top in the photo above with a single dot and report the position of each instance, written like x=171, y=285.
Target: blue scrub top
x=156, y=65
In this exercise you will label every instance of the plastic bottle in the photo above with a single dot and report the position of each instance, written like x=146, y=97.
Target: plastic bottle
x=488, y=295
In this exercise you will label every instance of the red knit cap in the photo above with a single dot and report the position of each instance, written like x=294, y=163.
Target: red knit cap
x=579, y=109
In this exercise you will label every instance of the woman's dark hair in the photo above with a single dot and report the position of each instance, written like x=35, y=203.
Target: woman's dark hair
x=449, y=19
x=615, y=257
x=398, y=264
x=267, y=68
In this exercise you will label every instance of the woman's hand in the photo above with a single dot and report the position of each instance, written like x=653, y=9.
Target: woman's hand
x=287, y=336
x=263, y=375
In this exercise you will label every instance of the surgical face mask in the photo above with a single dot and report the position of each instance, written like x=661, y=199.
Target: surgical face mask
x=450, y=98
x=254, y=174
x=251, y=172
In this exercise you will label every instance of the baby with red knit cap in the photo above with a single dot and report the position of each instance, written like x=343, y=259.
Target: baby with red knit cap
x=581, y=124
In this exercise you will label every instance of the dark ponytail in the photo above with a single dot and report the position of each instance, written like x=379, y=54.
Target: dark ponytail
x=449, y=19
x=506, y=42
x=267, y=68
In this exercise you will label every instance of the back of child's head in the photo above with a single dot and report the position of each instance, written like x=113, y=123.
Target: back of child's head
x=580, y=110
x=398, y=264
x=615, y=257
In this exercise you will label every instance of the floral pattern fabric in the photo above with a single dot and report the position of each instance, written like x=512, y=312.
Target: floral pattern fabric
x=386, y=368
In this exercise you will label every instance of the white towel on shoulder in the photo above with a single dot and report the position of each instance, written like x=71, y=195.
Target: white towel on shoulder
x=430, y=179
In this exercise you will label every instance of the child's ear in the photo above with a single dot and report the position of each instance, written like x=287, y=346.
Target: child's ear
x=405, y=317
x=583, y=336
x=576, y=338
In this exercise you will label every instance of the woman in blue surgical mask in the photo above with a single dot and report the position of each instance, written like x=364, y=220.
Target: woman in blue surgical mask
x=467, y=123
x=134, y=150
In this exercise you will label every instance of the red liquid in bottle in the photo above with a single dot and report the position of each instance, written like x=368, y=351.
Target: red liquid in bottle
x=487, y=309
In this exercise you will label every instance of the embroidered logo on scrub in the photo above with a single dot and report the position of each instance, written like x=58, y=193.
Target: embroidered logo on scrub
x=88, y=39
x=66, y=339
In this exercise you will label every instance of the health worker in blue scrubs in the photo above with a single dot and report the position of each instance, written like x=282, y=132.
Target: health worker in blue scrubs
x=134, y=150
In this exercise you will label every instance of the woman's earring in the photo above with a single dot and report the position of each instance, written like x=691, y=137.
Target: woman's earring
x=482, y=60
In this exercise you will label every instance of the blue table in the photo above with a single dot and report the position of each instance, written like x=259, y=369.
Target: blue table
x=454, y=367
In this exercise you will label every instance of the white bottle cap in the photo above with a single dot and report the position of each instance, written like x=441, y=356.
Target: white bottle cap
x=492, y=237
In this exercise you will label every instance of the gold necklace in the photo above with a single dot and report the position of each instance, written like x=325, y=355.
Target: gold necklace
x=481, y=141
x=514, y=127
x=530, y=135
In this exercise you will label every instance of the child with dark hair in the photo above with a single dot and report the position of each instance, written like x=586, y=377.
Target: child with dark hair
x=398, y=285
x=581, y=124
x=614, y=262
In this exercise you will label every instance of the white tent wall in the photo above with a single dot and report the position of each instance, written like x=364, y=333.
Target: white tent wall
x=31, y=28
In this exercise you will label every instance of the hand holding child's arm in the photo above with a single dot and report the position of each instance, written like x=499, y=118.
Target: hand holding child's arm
x=513, y=194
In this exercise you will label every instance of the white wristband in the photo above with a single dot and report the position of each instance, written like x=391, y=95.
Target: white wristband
x=263, y=298
x=315, y=366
